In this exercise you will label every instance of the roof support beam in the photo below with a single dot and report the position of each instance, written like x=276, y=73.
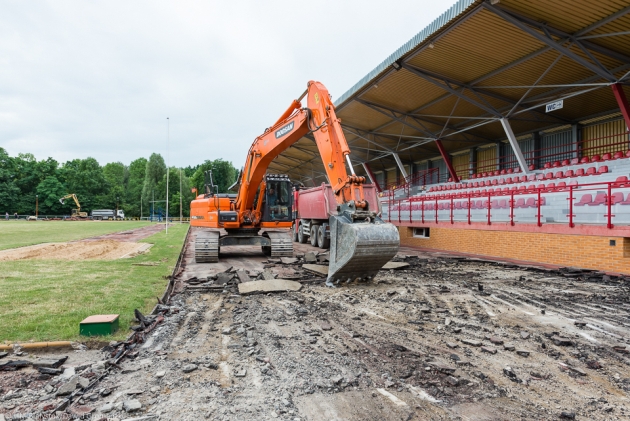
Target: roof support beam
x=401, y=167
x=393, y=115
x=369, y=172
x=447, y=160
x=508, y=17
x=515, y=146
x=620, y=96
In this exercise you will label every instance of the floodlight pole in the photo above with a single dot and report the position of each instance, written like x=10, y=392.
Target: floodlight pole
x=168, y=136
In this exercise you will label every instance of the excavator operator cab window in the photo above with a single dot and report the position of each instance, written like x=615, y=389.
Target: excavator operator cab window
x=278, y=200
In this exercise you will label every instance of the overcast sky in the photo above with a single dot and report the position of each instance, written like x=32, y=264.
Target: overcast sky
x=99, y=78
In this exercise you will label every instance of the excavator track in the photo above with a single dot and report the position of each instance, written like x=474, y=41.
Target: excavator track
x=207, y=247
x=281, y=243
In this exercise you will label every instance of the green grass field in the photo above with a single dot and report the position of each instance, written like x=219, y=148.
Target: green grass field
x=44, y=300
x=21, y=233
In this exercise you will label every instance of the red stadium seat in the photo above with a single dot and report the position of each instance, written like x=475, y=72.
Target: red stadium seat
x=502, y=172
x=508, y=180
x=502, y=204
x=585, y=160
x=579, y=172
x=575, y=161
x=541, y=187
x=511, y=171
x=531, y=177
x=591, y=171
x=496, y=172
x=505, y=190
x=484, y=174
x=565, y=162
x=600, y=199
x=556, y=164
x=617, y=198
x=606, y=157
x=595, y=158
x=487, y=183
x=522, y=188
x=531, y=187
x=561, y=185
x=603, y=169
x=501, y=181
x=495, y=204
x=621, y=181
x=517, y=169
x=547, y=165
x=494, y=182
x=532, y=167
x=549, y=176
x=530, y=203
x=520, y=203
x=551, y=186
x=628, y=154
x=584, y=200
x=523, y=178
x=569, y=173
x=618, y=155
x=573, y=183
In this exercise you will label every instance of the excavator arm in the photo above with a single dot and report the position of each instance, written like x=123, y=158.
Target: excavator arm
x=361, y=243
x=74, y=197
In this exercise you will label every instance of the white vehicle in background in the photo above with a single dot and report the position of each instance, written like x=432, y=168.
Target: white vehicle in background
x=107, y=214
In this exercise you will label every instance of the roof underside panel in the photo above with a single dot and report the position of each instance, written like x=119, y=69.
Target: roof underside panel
x=477, y=63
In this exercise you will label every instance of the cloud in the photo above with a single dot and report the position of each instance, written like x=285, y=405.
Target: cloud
x=98, y=79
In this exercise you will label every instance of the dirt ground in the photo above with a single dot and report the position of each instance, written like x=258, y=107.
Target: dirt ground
x=80, y=250
x=445, y=338
x=105, y=247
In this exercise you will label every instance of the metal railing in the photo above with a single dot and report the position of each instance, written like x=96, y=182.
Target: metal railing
x=608, y=194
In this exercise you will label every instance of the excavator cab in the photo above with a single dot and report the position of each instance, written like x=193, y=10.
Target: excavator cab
x=278, y=203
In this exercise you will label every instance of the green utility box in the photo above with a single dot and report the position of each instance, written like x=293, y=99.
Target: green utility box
x=99, y=325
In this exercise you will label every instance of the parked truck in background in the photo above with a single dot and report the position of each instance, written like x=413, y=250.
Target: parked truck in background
x=107, y=214
x=312, y=209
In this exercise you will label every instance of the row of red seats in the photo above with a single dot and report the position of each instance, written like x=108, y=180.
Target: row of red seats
x=475, y=204
x=557, y=164
x=602, y=199
x=580, y=172
x=621, y=181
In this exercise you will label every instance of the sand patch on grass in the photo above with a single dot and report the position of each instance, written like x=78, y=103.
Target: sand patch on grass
x=80, y=250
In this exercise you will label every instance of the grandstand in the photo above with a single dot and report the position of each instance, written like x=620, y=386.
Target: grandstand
x=500, y=130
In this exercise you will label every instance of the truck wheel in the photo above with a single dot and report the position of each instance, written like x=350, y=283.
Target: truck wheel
x=322, y=241
x=300, y=235
x=295, y=233
x=314, y=229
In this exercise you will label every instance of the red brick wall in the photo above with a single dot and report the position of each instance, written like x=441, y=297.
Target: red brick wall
x=584, y=251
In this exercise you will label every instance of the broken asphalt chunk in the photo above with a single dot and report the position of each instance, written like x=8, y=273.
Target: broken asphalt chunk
x=560, y=341
x=488, y=349
x=443, y=368
x=471, y=342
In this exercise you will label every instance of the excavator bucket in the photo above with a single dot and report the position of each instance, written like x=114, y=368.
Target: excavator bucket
x=359, y=249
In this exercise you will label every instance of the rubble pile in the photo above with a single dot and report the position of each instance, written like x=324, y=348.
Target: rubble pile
x=437, y=338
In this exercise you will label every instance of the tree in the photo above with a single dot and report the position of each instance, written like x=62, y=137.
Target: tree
x=223, y=175
x=50, y=191
x=84, y=177
x=116, y=175
x=27, y=174
x=9, y=192
x=137, y=169
x=155, y=172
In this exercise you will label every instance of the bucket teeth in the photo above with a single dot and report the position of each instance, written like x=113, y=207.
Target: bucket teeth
x=359, y=249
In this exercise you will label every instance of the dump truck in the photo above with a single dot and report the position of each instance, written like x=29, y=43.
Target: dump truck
x=313, y=208
x=107, y=214
x=360, y=241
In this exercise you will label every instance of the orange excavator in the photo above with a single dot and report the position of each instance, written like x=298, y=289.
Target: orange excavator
x=361, y=242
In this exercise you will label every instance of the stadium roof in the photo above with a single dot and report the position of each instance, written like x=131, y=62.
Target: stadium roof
x=478, y=63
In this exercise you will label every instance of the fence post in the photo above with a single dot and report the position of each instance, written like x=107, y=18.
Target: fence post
x=489, y=207
x=468, y=208
x=423, y=200
x=410, y=207
x=436, y=209
x=609, y=204
x=399, y=210
x=539, y=223
x=512, y=207
x=389, y=208
x=451, y=209
x=571, y=224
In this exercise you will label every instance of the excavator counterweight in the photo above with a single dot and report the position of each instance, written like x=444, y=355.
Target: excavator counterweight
x=361, y=242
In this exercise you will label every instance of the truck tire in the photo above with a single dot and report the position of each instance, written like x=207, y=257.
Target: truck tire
x=314, y=230
x=295, y=233
x=301, y=237
x=322, y=241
